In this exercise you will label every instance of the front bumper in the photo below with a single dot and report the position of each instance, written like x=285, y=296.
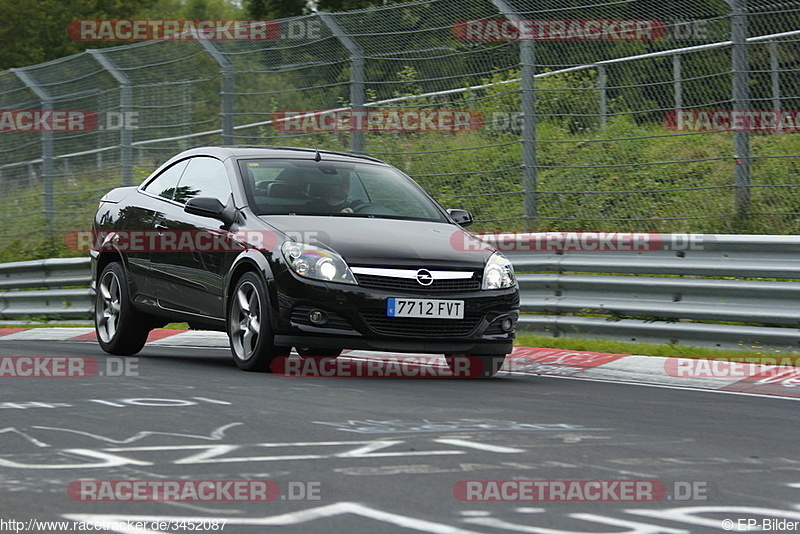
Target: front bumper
x=355, y=318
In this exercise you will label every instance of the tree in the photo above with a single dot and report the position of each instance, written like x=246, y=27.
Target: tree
x=34, y=32
x=278, y=9
x=274, y=9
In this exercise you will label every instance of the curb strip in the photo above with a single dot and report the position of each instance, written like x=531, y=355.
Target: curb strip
x=751, y=378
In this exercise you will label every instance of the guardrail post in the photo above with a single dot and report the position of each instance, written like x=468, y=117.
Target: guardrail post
x=741, y=103
x=47, y=146
x=527, y=61
x=226, y=91
x=356, y=74
x=125, y=109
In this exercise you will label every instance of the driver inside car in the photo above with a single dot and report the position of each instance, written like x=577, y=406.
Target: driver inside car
x=332, y=197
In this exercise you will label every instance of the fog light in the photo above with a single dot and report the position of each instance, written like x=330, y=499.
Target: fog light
x=507, y=325
x=317, y=317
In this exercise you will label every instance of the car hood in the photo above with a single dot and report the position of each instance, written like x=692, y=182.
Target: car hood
x=390, y=242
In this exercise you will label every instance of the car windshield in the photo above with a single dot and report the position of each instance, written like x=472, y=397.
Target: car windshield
x=302, y=187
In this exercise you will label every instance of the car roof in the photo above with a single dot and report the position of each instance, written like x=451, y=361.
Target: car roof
x=262, y=151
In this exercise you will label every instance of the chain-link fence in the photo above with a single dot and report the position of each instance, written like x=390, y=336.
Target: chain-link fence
x=646, y=115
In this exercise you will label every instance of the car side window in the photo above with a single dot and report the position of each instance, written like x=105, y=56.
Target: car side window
x=204, y=177
x=165, y=183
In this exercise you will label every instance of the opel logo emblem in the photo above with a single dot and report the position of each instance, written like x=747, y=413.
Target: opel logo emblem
x=424, y=277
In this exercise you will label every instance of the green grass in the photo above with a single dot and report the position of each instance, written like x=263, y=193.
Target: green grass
x=757, y=355
x=480, y=171
x=177, y=326
x=40, y=324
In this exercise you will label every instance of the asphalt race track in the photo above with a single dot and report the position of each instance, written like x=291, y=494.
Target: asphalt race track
x=368, y=455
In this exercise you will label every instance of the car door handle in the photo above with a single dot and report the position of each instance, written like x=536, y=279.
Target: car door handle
x=161, y=229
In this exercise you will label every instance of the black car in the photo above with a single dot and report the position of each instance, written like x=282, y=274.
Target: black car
x=287, y=247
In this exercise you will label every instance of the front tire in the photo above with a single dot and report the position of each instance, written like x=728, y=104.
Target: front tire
x=474, y=366
x=120, y=329
x=251, y=338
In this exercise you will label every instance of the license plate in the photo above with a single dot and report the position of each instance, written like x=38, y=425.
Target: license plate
x=425, y=308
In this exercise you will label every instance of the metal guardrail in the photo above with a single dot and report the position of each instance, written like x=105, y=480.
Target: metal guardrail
x=53, y=288
x=683, y=289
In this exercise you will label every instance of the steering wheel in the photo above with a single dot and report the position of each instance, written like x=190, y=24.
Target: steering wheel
x=361, y=207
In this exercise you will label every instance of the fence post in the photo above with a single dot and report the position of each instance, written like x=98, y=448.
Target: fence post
x=47, y=146
x=226, y=91
x=527, y=61
x=741, y=103
x=677, y=76
x=125, y=108
x=356, y=75
x=602, y=83
x=775, y=73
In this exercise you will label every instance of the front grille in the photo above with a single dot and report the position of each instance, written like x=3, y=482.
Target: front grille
x=406, y=284
x=414, y=327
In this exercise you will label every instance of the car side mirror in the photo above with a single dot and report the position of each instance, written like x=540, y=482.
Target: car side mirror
x=205, y=207
x=460, y=217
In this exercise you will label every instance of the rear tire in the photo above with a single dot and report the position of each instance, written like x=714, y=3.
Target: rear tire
x=474, y=366
x=251, y=338
x=120, y=329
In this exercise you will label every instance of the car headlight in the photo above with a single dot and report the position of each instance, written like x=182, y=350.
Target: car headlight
x=498, y=273
x=317, y=263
